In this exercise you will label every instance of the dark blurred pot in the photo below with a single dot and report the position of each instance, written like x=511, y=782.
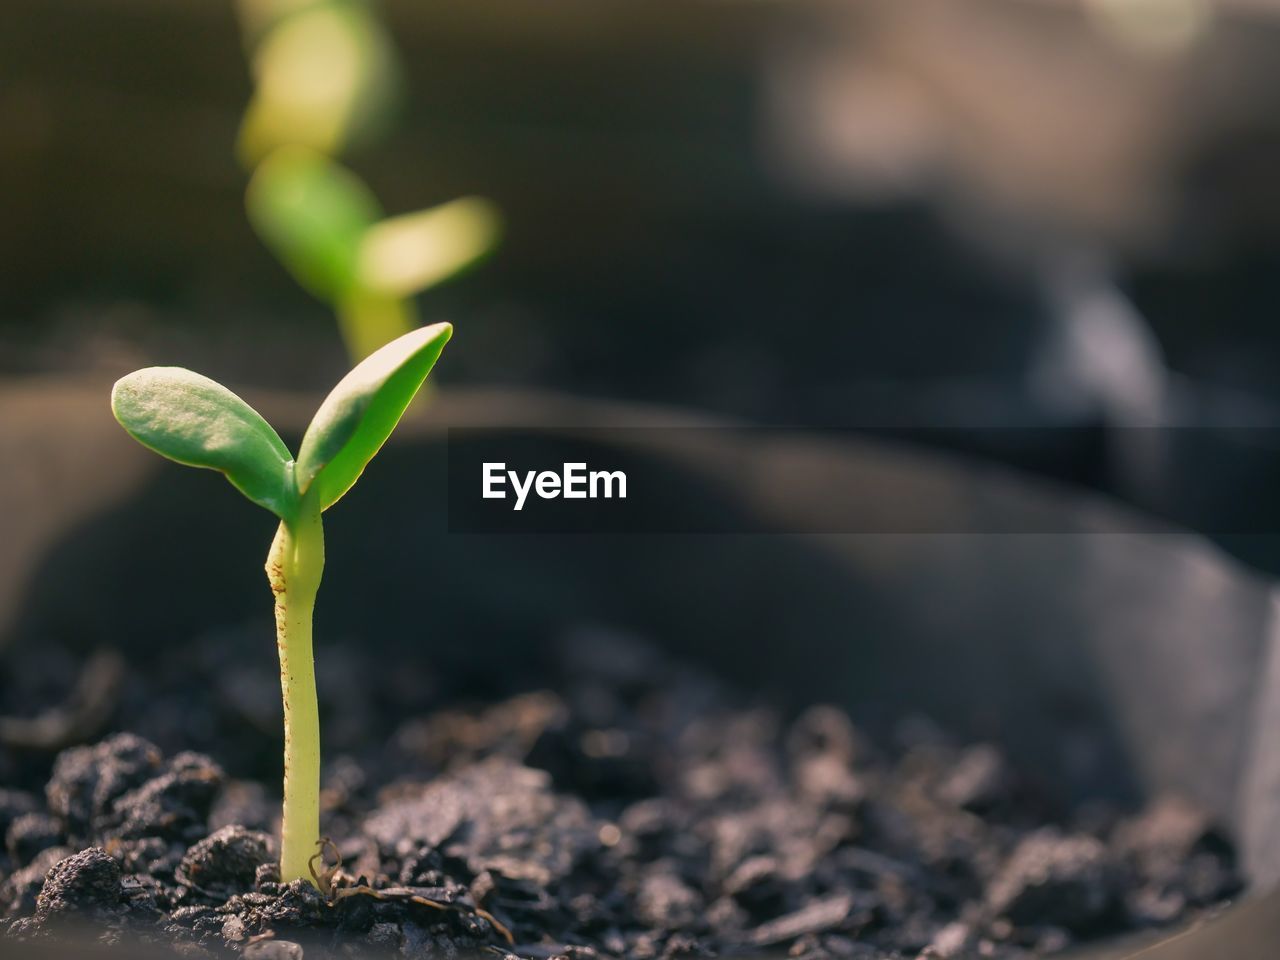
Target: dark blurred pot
x=1149, y=645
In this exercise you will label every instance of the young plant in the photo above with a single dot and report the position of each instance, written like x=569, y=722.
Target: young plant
x=196, y=421
x=327, y=228
x=327, y=79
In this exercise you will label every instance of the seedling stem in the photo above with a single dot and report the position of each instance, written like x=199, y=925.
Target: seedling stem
x=294, y=568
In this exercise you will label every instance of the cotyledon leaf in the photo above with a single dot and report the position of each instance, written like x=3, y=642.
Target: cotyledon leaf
x=359, y=414
x=198, y=422
x=406, y=254
x=312, y=213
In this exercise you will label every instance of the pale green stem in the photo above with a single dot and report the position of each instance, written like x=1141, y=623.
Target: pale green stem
x=294, y=568
x=370, y=320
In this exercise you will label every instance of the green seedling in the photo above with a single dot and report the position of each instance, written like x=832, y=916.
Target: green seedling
x=327, y=80
x=197, y=421
x=329, y=231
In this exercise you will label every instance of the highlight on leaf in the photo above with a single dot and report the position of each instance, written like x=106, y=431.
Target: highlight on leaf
x=198, y=422
x=359, y=414
x=406, y=254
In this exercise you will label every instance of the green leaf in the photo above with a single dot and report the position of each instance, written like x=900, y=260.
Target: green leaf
x=197, y=421
x=406, y=254
x=359, y=414
x=312, y=213
x=326, y=76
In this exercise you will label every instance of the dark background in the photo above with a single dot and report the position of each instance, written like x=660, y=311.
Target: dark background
x=982, y=213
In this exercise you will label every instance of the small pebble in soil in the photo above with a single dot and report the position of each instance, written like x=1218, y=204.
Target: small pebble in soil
x=174, y=805
x=19, y=891
x=225, y=863
x=84, y=883
x=1055, y=880
x=86, y=780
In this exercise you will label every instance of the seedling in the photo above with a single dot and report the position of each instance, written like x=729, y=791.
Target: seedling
x=197, y=421
x=329, y=231
x=327, y=80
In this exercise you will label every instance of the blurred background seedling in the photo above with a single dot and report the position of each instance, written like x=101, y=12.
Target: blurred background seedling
x=327, y=81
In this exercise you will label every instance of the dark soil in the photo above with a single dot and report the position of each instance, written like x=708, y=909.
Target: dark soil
x=640, y=810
